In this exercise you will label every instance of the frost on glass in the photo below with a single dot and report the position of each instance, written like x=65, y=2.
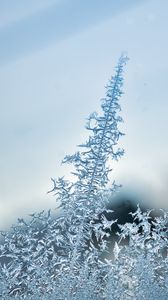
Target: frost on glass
x=69, y=257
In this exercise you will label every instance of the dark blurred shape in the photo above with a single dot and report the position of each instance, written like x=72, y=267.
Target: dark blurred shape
x=122, y=206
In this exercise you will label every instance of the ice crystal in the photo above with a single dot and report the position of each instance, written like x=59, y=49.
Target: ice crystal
x=68, y=257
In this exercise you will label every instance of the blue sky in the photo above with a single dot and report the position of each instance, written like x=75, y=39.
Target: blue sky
x=35, y=28
x=55, y=59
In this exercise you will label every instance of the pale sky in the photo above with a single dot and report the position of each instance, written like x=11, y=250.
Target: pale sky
x=55, y=59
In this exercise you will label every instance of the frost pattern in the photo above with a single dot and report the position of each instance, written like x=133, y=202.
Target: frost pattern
x=65, y=258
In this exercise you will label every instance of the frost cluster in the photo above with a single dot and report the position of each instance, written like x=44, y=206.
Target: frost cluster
x=68, y=257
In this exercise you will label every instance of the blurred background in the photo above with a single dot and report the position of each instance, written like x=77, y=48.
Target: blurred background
x=56, y=56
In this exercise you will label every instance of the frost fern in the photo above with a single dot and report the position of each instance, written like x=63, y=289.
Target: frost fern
x=61, y=259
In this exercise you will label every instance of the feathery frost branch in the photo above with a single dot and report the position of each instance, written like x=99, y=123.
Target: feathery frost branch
x=91, y=163
x=62, y=258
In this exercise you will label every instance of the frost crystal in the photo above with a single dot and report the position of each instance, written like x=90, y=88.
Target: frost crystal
x=69, y=257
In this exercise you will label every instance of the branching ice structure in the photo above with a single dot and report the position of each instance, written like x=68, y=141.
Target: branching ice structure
x=64, y=258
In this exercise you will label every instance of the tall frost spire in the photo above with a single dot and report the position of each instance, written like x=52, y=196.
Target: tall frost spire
x=91, y=163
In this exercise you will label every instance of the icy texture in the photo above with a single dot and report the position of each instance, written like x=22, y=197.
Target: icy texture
x=65, y=258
